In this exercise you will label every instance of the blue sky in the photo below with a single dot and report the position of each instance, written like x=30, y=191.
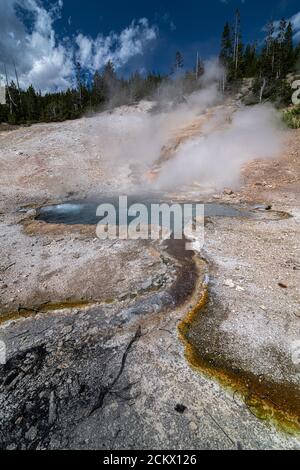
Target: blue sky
x=44, y=36
x=184, y=25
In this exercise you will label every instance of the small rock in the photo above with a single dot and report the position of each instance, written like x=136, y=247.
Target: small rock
x=30, y=214
x=29, y=406
x=228, y=191
x=193, y=426
x=282, y=285
x=31, y=434
x=147, y=284
x=180, y=408
x=240, y=288
x=229, y=283
x=12, y=446
x=67, y=329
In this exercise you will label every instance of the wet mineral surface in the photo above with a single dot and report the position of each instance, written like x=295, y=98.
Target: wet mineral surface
x=119, y=344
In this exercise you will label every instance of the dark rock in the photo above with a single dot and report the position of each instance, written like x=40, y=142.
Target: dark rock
x=180, y=408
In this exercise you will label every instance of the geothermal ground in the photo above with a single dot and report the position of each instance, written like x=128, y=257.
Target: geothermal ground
x=122, y=344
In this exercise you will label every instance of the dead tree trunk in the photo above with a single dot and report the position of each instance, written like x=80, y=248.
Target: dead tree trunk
x=11, y=101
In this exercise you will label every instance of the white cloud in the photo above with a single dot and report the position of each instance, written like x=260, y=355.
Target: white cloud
x=40, y=60
x=295, y=20
x=47, y=62
x=119, y=48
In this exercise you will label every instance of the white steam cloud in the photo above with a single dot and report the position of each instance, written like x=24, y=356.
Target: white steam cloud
x=227, y=136
x=215, y=159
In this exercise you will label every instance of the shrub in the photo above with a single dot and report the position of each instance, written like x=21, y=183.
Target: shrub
x=291, y=117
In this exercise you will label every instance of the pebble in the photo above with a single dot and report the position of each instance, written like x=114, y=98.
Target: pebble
x=12, y=446
x=193, y=426
x=147, y=284
x=228, y=191
x=31, y=434
x=229, y=283
x=67, y=329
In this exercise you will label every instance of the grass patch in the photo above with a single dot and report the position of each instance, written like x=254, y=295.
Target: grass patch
x=291, y=117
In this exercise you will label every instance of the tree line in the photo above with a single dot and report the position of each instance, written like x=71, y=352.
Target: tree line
x=101, y=91
x=267, y=64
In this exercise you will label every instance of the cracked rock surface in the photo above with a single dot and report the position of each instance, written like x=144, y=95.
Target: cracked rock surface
x=94, y=358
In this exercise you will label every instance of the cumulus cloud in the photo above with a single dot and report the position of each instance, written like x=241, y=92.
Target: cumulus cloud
x=28, y=39
x=119, y=48
x=40, y=60
x=295, y=20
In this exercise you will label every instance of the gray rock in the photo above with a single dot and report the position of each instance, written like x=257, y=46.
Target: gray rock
x=52, y=408
x=31, y=434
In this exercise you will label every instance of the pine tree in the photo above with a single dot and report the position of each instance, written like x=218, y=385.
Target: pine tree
x=136, y=87
x=237, y=46
x=280, y=56
x=226, y=54
x=109, y=73
x=199, y=67
x=81, y=86
x=31, y=104
x=98, y=89
x=110, y=81
x=270, y=51
x=178, y=65
x=250, y=61
x=288, y=49
x=231, y=54
x=296, y=65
